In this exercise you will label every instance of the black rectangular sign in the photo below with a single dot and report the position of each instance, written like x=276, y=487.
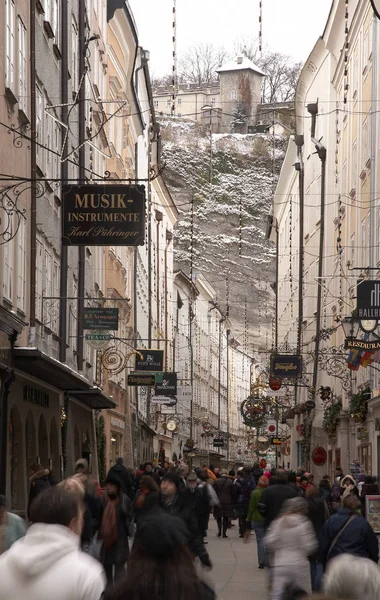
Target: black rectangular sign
x=168, y=386
x=101, y=318
x=142, y=379
x=218, y=443
x=286, y=365
x=103, y=215
x=149, y=360
x=368, y=299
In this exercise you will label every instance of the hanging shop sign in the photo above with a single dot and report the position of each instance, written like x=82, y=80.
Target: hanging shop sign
x=101, y=318
x=168, y=386
x=309, y=404
x=368, y=299
x=218, y=443
x=143, y=379
x=274, y=383
x=103, y=215
x=149, y=360
x=167, y=400
x=362, y=345
x=286, y=365
x=319, y=456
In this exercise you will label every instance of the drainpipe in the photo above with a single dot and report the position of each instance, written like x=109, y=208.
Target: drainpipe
x=321, y=151
x=64, y=175
x=299, y=167
x=33, y=175
x=373, y=177
x=159, y=217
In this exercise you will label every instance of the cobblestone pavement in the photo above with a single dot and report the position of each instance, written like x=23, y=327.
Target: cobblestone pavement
x=235, y=573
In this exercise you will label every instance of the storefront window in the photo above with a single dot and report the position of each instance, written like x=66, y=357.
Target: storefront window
x=115, y=447
x=365, y=457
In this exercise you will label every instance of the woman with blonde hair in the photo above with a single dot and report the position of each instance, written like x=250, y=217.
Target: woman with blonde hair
x=292, y=539
x=256, y=520
x=77, y=485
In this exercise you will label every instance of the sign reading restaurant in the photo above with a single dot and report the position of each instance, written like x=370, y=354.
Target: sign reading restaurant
x=103, y=215
x=368, y=299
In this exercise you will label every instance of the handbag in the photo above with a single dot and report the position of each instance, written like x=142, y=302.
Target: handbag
x=336, y=538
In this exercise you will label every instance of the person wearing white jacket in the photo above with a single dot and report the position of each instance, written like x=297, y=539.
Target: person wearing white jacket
x=292, y=539
x=47, y=563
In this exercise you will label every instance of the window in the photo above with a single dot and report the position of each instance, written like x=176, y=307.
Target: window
x=40, y=127
x=168, y=102
x=48, y=290
x=22, y=71
x=39, y=279
x=363, y=243
x=365, y=49
x=354, y=165
x=352, y=257
x=21, y=266
x=213, y=101
x=55, y=24
x=234, y=95
x=344, y=178
x=179, y=114
x=156, y=103
x=355, y=78
x=364, y=143
x=10, y=44
x=377, y=233
x=179, y=101
x=8, y=270
x=74, y=55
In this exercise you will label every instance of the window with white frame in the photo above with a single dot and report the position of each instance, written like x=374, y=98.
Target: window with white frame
x=39, y=279
x=22, y=70
x=363, y=242
x=354, y=165
x=48, y=289
x=55, y=23
x=364, y=143
x=10, y=25
x=352, y=252
x=234, y=95
x=40, y=119
x=21, y=266
x=74, y=55
x=8, y=258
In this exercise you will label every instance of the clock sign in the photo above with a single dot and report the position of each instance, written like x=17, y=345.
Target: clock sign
x=368, y=325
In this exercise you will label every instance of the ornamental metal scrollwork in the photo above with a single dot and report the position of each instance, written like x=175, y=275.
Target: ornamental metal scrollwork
x=10, y=213
x=20, y=133
x=332, y=360
x=253, y=412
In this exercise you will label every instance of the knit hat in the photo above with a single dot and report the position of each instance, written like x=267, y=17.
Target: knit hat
x=161, y=535
x=173, y=477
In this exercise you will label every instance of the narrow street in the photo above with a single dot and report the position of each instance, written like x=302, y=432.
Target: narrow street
x=235, y=572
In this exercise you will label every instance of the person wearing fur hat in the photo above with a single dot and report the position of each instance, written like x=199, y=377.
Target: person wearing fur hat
x=174, y=503
x=90, y=483
x=348, y=486
x=160, y=566
x=116, y=516
x=39, y=480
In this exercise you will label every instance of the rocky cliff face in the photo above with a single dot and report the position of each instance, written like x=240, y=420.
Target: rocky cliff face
x=232, y=187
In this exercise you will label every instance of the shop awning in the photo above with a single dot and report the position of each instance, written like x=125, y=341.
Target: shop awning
x=39, y=365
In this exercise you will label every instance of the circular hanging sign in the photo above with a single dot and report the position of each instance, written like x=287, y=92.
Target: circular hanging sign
x=309, y=404
x=272, y=428
x=263, y=463
x=274, y=383
x=319, y=456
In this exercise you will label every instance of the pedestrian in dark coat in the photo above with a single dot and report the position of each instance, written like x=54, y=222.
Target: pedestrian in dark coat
x=199, y=501
x=116, y=515
x=356, y=538
x=160, y=566
x=119, y=470
x=147, y=497
x=175, y=503
x=318, y=515
x=245, y=484
x=148, y=470
x=39, y=481
x=226, y=492
x=274, y=496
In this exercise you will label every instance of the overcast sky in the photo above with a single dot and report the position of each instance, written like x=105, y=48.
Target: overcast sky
x=289, y=26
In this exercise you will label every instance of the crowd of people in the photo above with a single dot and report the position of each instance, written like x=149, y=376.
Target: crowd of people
x=139, y=535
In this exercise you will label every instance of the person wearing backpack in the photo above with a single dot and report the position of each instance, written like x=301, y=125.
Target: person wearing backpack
x=347, y=532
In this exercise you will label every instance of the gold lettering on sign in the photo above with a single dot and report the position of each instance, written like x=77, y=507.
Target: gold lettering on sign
x=286, y=366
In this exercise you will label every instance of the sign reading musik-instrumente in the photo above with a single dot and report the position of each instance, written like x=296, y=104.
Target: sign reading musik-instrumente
x=368, y=299
x=149, y=360
x=103, y=215
x=101, y=318
x=286, y=365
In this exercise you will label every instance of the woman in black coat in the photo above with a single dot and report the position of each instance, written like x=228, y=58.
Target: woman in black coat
x=226, y=492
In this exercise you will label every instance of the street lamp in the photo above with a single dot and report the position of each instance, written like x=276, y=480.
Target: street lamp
x=376, y=7
x=350, y=327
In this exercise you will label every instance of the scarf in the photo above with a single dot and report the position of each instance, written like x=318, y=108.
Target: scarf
x=108, y=528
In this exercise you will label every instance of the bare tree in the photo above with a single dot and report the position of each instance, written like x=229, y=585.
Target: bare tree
x=200, y=63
